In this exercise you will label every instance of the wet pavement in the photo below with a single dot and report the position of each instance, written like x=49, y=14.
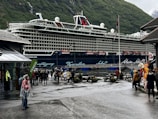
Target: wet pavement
x=101, y=100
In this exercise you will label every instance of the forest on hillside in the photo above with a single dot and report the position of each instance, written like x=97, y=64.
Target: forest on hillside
x=97, y=11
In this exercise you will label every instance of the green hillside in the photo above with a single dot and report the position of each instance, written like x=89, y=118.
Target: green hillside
x=97, y=11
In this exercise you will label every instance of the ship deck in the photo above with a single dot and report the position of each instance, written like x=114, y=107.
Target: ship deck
x=94, y=66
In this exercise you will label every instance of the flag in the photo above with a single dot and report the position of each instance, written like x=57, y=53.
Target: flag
x=32, y=66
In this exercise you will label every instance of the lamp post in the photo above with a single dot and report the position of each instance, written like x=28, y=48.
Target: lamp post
x=119, y=43
x=74, y=53
x=113, y=40
x=56, y=54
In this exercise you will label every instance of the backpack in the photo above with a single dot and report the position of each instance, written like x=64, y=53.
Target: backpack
x=136, y=77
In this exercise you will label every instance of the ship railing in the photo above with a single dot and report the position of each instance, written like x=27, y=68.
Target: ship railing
x=4, y=35
x=91, y=30
x=102, y=66
x=33, y=52
x=70, y=27
x=14, y=26
x=44, y=25
x=88, y=29
x=129, y=36
x=123, y=36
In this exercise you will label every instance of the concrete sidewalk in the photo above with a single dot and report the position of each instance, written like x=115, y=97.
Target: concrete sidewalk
x=12, y=98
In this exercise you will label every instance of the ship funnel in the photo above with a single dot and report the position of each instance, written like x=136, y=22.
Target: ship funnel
x=39, y=15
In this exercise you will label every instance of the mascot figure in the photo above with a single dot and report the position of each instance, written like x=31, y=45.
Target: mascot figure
x=144, y=69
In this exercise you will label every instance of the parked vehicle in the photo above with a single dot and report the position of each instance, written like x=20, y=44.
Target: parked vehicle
x=87, y=77
x=110, y=77
x=113, y=77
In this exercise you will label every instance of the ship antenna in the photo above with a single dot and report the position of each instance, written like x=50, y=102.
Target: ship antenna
x=39, y=15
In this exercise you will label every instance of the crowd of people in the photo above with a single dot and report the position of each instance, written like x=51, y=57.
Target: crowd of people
x=149, y=76
x=41, y=76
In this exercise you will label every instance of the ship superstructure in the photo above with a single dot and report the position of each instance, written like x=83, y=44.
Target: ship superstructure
x=78, y=39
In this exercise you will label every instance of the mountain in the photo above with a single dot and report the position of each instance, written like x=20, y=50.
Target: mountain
x=97, y=11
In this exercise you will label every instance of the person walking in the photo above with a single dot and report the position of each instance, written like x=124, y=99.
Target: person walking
x=156, y=78
x=25, y=90
x=150, y=84
x=72, y=75
x=44, y=77
x=132, y=72
x=135, y=79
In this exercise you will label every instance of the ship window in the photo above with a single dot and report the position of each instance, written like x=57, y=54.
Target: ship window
x=84, y=21
x=59, y=24
x=79, y=21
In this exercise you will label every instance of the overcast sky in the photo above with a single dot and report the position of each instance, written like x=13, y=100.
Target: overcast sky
x=147, y=6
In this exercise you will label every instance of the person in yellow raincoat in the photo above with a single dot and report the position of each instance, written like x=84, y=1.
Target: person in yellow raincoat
x=145, y=69
x=7, y=81
x=136, y=79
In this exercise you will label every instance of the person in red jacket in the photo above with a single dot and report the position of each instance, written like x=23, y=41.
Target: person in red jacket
x=25, y=89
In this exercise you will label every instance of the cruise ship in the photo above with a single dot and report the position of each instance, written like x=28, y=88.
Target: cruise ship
x=57, y=43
